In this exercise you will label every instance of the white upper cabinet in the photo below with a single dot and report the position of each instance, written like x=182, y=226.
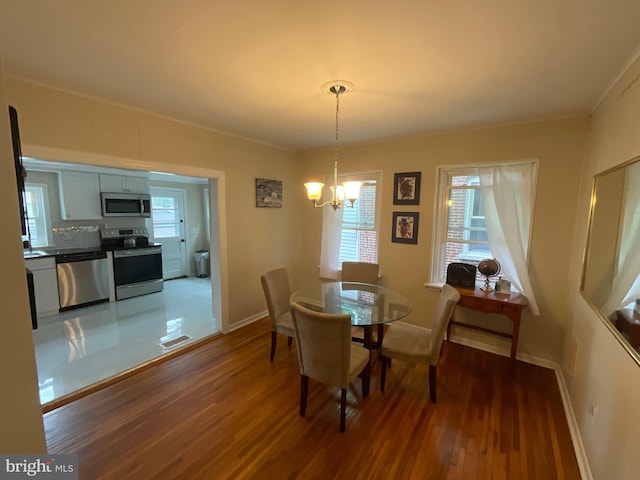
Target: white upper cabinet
x=79, y=196
x=123, y=184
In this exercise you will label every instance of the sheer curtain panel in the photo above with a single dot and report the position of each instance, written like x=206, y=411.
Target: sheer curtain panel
x=508, y=196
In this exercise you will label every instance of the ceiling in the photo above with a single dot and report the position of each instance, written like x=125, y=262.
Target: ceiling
x=255, y=68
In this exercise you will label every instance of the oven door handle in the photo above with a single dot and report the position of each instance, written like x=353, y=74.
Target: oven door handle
x=137, y=252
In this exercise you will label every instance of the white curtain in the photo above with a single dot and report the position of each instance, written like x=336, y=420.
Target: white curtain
x=626, y=283
x=330, y=249
x=507, y=194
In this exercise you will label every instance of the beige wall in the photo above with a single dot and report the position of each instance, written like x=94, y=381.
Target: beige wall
x=559, y=146
x=604, y=375
x=21, y=428
x=256, y=239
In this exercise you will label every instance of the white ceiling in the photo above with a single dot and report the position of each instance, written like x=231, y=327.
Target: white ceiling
x=254, y=68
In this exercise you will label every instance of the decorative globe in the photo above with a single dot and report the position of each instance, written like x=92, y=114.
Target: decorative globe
x=489, y=267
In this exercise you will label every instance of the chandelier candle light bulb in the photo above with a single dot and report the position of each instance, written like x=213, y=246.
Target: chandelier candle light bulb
x=348, y=190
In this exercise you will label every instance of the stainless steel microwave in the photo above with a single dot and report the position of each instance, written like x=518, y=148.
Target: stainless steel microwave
x=125, y=204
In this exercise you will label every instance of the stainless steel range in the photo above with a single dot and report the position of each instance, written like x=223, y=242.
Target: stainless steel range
x=137, y=264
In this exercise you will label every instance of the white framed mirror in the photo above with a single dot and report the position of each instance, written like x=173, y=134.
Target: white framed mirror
x=611, y=267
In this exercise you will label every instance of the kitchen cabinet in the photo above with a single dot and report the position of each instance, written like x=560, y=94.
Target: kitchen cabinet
x=45, y=285
x=79, y=196
x=123, y=184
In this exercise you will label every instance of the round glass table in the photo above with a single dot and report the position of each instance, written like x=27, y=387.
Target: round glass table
x=367, y=304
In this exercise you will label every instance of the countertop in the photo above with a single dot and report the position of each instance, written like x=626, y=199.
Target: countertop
x=52, y=252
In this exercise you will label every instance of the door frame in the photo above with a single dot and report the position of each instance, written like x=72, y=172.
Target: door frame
x=217, y=197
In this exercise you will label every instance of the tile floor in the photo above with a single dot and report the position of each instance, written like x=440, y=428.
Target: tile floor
x=77, y=348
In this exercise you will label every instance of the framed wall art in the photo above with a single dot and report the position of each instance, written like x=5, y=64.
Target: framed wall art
x=268, y=193
x=405, y=227
x=406, y=188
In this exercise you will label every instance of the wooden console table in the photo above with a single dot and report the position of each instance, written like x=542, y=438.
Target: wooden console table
x=629, y=325
x=492, y=302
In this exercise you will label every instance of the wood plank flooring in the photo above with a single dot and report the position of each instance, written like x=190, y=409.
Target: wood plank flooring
x=224, y=411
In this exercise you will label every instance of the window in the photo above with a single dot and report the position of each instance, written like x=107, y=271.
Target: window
x=38, y=220
x=166, y=217
x=350, y=234
x=465, y=238
x=359, y=238
x=485, y=212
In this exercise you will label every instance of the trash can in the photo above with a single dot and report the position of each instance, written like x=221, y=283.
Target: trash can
x=202, y=262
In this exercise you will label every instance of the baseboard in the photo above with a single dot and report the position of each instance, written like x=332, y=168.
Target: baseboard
x=576, y=439
x=248, y=321
x=578, y=446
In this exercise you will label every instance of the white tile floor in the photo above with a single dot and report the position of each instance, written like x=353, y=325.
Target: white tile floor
x=80, y=347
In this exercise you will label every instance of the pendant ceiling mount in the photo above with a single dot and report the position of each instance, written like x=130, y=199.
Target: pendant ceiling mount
x=337, y=87
x=348, y=190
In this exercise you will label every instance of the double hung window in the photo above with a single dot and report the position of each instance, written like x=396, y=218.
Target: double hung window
x=351, y=234
x=486, y=212
x=38, y=220
x=359, y=238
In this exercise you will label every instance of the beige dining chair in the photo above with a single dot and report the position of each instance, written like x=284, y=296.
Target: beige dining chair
x=362, y=272
x=414, y=344
x=326, y=354
x=275, y=285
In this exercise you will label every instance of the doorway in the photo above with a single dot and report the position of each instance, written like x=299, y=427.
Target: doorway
x=168, y=214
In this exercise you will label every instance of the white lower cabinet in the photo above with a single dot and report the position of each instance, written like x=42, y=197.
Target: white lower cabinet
x=45, y=285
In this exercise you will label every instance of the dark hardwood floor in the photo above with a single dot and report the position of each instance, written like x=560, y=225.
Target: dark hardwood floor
x=224, y=411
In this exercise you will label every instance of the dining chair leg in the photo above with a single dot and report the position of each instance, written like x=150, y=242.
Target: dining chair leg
x=343, y=408
x=273, y=345
x=383, y=373
x=289, y=341
x=432, y=382
x=304, y=391
x=366, y=380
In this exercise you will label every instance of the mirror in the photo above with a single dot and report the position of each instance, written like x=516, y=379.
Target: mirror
x=611, y=269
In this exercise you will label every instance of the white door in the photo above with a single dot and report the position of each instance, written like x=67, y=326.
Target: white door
x=167, y=215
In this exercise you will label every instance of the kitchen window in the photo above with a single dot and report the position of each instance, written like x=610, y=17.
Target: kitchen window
x=38, y=218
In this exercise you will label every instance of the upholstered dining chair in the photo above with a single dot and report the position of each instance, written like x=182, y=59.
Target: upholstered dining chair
x=361, y=272
x=275, y=285
x=414, y=344
x=326, y=354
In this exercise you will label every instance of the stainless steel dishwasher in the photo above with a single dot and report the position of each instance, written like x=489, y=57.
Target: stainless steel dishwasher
x=83, y=278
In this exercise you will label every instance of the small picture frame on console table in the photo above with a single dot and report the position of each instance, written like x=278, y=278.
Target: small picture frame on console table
x=405, y=227
x=406, y=188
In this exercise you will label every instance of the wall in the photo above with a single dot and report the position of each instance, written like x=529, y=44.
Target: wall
x=559, y=146
x=603, y=374
x=21, y=428
x=256, y=239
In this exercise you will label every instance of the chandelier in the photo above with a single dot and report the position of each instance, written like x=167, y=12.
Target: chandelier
x=348, y=190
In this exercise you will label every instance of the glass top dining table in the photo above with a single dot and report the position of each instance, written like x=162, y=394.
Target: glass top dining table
x=367, y=304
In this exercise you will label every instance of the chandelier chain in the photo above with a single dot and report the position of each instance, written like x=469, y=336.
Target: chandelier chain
x=337, y=112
